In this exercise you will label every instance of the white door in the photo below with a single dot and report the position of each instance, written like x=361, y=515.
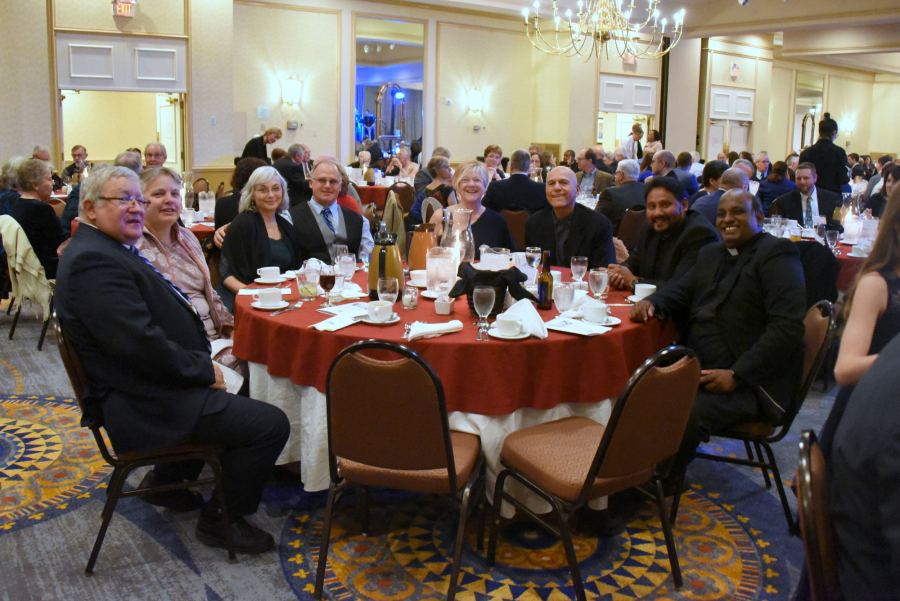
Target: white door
x=716, y=140
x=169, y=125
x=738, y=134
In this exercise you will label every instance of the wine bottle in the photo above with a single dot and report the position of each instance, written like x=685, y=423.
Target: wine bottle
x=545, y=284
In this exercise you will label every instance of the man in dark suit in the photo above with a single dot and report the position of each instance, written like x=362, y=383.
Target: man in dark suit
x=744, y=303
x=146, y=355
x=518, y=190
x=808, y=201
x=291, y=169
x=322, y=223
x=568, y=229
x=626, y=194
x=669, y=242
x=762, y=167
x=865, y=484
x=708, y=206
x=829, y=158
x=590, y=179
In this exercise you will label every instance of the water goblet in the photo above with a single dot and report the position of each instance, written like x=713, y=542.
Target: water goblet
x=337, y=250
x=388, y=289
x=364, y=259
x=347, y=264
x=563, y=295
x=483, y=298
x=599, y=281
x=579, y=268
x=832, y=237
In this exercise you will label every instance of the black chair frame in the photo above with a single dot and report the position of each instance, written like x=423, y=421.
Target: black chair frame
x=565, y=510
x=126, y=463
x=474, y=487
x=764, y=442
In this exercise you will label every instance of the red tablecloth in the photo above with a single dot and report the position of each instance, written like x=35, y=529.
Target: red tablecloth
x=491, y=378
x=850, y=266
x=376, y=194
x=203, y=231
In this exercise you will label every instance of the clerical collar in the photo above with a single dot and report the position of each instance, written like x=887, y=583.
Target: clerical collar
x=733, y=251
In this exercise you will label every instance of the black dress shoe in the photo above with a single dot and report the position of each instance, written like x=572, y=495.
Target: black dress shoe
x=247, y=538
x=178, y=500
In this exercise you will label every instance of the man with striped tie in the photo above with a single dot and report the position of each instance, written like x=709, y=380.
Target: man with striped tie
x=322, y=222
x=145, y=352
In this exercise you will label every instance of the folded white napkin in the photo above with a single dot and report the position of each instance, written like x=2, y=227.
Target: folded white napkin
x=531, y=321
x=350, y=290
x=335, y=323
x=252, y=291
x=431, y=330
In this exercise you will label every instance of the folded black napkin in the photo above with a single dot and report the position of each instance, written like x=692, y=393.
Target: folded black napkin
x=509, y=279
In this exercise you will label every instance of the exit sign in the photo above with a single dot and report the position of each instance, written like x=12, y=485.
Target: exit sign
x=123, y=8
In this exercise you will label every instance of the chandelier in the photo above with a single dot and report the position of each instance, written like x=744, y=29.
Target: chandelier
x=600, y=24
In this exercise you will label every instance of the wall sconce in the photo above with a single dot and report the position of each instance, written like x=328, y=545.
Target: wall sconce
x=290, y=91
x=475, y=100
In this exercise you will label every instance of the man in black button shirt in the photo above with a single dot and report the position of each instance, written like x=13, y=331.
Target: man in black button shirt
x=669, y=242
x=744, y=303
x=829, y=158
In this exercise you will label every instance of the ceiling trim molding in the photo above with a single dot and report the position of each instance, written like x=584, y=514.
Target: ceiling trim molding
x=776, y=25
x=875, y=49
x=296, y=7
x=133, y=34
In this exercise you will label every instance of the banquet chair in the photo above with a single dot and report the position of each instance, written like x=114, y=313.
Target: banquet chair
x=630, y=227
x=819, y=326
x=515, y=219
x=370, y=442
x=815, y=520
x=201, y=185
x=406, y=195
x=571, y=461
x=123, y=464
x=429, y=206
x=27, y=279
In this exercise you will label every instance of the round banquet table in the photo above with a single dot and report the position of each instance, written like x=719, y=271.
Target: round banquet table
x=491, y=387
x=850, y=266
x=373, y=194
x=203, y=230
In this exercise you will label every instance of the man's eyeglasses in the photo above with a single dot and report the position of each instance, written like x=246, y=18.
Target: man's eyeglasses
x=324, y=181
x=125, y=201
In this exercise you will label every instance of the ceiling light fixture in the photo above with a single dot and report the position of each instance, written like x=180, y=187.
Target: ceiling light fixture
x=600, y=24
x=366, y=48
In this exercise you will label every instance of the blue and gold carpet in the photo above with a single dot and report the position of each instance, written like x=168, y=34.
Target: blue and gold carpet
x=731, y=537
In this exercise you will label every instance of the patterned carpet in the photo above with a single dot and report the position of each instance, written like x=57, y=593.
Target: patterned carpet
x=730, y=533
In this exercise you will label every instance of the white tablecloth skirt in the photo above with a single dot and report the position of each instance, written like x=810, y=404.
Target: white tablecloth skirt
x=308, y=443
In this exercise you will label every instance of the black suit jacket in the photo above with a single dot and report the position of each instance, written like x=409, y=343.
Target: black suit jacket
x=42, y=228
x=648, y=265
x=614, y=201
x=143, y=347
x=831, y=164
x=312, y=244
x=298, y=186
x=516, y=190
x=758, y=310
x=790, y=205
x=590, y=235
x=256, y=148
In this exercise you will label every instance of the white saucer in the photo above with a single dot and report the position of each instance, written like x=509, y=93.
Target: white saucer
x=410, y=283
x=430, y=294
x=608, y=322
x=855, y=256
x=281, y=279
x=496, y=334
x=281, y=305
x=395, y=319
x=633, y=298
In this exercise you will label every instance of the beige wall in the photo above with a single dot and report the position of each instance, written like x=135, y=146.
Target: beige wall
x=885, y=118
x=211, y=66
x=264, y=36
x=106, y=123
x=684, y=89
x=25, y=96
x=496, y=61
x=157, y=16
x=781, y=113
x=848, y=97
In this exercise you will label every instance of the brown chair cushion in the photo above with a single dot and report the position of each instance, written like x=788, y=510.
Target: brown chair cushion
x=756, y=429
x=466, y=448
x=558, y=455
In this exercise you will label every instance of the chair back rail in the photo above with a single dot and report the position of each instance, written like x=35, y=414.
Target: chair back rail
x=516, y=219
x=815, y=519
x=630, y=227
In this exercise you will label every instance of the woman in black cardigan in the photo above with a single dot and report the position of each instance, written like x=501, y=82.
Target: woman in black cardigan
x=259, y=236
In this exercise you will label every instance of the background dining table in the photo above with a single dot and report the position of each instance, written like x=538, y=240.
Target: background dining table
x=373, y=194
x=492, y=387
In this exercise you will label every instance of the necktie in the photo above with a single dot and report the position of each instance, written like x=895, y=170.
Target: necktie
x=807, y=213
x=178, y=290
x=326, y=215
x=640, y=151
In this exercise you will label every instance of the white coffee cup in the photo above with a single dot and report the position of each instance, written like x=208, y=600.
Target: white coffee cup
x=417, y=277
x=268, y=298
x=595, y=312
x=556, y=275
x=509, y=325
x=269, y=274
x=644, y=290
x=380, y=310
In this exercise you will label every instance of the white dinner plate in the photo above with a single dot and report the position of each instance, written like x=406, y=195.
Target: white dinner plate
x=633, y=298
x=281, y=279
x=414, y=285
x=855, y=256
x=281, y=305
x=496, y=334
x=608, y=322
x=394, y=319
x=430, y=294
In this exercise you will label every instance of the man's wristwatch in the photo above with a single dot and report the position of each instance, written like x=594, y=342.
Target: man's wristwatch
x=635, y=282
